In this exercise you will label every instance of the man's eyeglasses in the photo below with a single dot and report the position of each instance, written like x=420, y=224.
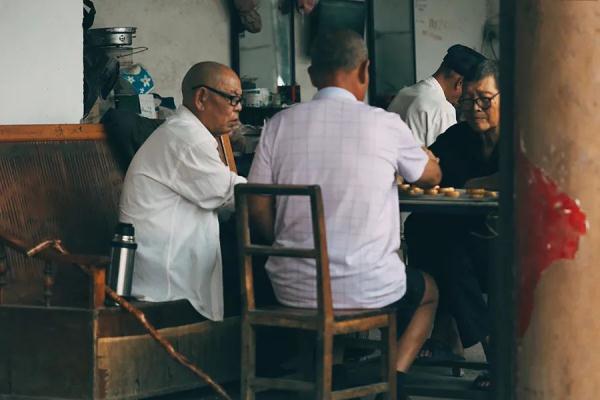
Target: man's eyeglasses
x=483, y=102
x=234, y=100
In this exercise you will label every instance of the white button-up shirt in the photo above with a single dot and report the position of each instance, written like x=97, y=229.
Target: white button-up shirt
x=424, y=108
x=353, y=151
x=173, y=189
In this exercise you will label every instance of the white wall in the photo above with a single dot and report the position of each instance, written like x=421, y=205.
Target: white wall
x=178, y=33
x=440, y=24
x=41, y=62
x=491, y=47
x=493, y=8
x=41, y=47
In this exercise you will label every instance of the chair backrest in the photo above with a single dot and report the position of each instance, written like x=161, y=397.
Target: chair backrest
x=226, y=152
x=56, y=182
x=319, y=251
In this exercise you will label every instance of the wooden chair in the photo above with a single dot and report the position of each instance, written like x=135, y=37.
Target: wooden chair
x=323, y=320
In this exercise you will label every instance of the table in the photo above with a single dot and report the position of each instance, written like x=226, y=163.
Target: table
x=440, y=204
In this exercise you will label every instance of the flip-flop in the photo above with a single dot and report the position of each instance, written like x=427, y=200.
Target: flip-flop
x=482, y=382
x=440, y=351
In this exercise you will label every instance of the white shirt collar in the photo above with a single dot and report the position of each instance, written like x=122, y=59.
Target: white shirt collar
x=334, y=92
x=434, y=82
x=187, y=114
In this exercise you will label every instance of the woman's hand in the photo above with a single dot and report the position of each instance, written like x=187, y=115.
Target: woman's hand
x=490, y=182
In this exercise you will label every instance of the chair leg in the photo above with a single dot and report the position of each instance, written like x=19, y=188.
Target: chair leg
x=390, y=335
x=248, y=361
x=384, y=362
x=324, y=361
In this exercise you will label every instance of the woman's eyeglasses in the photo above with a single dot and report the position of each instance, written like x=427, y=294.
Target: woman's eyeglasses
x=483, y=102
x=234, y=100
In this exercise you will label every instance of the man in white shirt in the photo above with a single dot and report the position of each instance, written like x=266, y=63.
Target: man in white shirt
x=174, y=188
x=353, y=151
x=427, y=107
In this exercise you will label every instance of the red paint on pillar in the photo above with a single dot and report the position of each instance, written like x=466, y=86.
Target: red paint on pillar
x=551, y=223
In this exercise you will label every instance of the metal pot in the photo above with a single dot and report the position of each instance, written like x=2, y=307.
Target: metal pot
x=117, y=36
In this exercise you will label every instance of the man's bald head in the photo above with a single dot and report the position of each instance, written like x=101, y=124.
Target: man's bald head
x=204, y=73
x=211, y=91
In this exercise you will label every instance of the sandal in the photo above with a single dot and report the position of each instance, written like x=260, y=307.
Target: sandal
x=437, y=351
x=482, y=382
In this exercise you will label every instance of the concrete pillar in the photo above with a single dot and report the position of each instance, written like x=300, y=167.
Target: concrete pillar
x=557, y=111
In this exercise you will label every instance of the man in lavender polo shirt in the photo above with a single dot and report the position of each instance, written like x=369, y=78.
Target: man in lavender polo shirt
x=354, y=152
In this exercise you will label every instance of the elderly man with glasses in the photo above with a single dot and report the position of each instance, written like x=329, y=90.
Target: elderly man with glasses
x=174, y=190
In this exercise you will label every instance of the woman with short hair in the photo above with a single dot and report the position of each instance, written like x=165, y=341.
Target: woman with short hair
x=455, y=249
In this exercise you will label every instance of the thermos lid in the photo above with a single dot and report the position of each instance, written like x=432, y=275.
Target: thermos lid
x=124, y=229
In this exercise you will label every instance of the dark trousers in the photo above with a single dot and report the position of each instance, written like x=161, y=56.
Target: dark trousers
x=445, y=248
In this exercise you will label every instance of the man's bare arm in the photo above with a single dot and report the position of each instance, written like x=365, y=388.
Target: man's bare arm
x=261, y=211
x=432, y=174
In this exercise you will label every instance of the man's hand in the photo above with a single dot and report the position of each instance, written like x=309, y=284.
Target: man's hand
x=430, y=154
x=432, y=174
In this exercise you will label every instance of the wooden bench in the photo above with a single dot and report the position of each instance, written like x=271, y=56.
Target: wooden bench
x=57, y=340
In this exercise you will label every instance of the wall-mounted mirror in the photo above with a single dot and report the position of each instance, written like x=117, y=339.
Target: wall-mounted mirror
x=267, y=58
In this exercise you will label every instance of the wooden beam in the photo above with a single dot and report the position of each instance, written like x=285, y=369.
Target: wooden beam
x=360, y=391
x=97, y=282
x=47, y=133
x=282, y=384
x=362, y=324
